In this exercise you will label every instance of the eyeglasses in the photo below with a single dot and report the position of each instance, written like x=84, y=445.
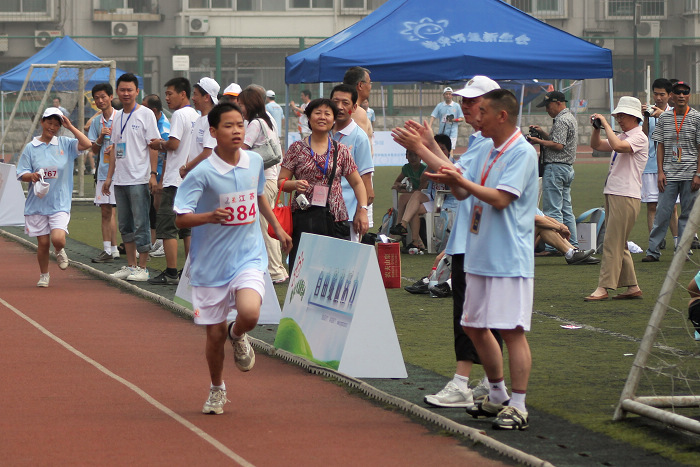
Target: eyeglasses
x=366, y=82
x=683, y=92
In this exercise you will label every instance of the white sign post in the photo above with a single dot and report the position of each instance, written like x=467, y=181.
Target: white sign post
x=336, y=312
x=11, y=196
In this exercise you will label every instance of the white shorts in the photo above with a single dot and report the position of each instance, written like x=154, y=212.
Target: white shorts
x=36, y=225
x=104, y=199
x=650, y=188
x=212, y=304
x=498, y=302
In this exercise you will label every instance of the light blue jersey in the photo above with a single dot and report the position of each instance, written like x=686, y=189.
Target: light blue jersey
x=357, y=142
x=457, y=243
x=441, y=111
x=94, y=133
x=505, y=239
x=56, y=158
x=651, y=167
x=274, y=109
x=218, y=252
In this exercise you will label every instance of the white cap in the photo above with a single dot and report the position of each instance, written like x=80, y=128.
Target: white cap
x=232, y=90
x=629, y=105
x=270, y=93
x=477, y=86
x=53, y=111
x=211, y=87
x=447, y=89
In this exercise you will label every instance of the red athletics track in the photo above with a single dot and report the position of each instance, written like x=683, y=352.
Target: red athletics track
x=94, y=375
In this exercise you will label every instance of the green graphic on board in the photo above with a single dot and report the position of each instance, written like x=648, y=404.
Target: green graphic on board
x=291, y=338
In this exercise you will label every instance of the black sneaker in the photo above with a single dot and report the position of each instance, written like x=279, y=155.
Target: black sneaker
x=484, y=408
x=418, y=287
x=695, y=245
x=511, y=418
x=649, y=259
x=103, y=257
x=164, y=279
x=442, y=290
x=398, y=229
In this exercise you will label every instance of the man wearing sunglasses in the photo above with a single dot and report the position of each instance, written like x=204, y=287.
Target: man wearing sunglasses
x=677, y=133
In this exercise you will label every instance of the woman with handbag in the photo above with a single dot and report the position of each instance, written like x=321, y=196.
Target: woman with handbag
x=262, y=131
x=317, y=163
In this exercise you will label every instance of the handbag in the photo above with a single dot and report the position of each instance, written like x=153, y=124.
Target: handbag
x=318, y=220
x=269, y=150
x=283, y=214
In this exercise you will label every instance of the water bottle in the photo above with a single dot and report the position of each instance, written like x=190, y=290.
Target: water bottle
x=105, y=140
x=432, y=281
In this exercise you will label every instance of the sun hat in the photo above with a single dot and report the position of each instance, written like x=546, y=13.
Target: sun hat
x=53, y=111
x=629, y=105
x=232, y=90
x=211, y=87
x=270, y=93
x=477, y=86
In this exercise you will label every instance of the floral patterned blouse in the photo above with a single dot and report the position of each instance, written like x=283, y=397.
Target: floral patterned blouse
x=300, y=162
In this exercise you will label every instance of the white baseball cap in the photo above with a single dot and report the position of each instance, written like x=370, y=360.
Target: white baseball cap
x=629, y=105
x=53, y=111
x=270, y=93
x=232, y=90
x=211, y=87
x=477, y=86
x=447, y=89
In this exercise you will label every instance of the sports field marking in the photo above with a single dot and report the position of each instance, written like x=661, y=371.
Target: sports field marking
x=190, y=426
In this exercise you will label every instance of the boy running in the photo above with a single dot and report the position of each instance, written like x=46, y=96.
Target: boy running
x=220, y=200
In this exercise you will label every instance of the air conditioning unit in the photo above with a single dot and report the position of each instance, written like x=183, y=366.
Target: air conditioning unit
x=198, y=24
x=649, y=29
x=43, y=38
x=125, y=29
x=604, y=43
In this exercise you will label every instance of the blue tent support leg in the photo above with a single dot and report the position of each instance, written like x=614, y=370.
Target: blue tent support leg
x=286, y=120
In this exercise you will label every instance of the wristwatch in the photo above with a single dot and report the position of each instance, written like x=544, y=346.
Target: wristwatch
x=366, y=208
x=154, y=173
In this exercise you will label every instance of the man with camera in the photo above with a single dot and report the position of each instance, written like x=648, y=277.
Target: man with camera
x=558, y=156
x=449, y=114
x=677, y=133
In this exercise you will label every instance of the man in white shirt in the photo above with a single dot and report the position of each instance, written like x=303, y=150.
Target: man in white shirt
x=204, y=98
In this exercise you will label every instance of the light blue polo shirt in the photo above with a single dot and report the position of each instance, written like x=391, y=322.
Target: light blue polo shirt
x=56, y=158
x=274, y=109
x=93, y=134
x=504, y=243
x=457, y=243
x=441, y=111
x=651, y=167
x=357, y=142
x=218, y=253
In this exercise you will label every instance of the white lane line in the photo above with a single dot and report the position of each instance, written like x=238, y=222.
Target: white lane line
x=187, y=424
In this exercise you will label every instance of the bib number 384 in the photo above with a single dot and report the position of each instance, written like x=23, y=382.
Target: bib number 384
x=242, y=207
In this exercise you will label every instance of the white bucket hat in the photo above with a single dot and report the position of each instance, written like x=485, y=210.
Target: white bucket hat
x=41, y=188
x=629, y=105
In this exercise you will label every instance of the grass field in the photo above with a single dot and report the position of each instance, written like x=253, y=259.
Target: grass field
x=577, y=374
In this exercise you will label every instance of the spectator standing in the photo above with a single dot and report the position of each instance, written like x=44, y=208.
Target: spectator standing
x=132, y=167
x=299, y=110
x=100, y=133
x=177, y=147
x=623, y=187
x=559, y=147
x=275, y=110
x=49, y=158
x=677, y=133
x=358, y=78
x=204, y=98
x=448, y=114
x=231, y=93
x=57, y=103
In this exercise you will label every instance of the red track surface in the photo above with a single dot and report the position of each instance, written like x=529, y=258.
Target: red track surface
x=137, y=398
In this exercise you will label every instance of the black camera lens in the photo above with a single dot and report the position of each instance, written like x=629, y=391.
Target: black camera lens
x=647, y=113
x=597, y=124
x=534, y=133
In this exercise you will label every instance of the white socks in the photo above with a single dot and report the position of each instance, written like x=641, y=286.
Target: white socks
x=107, y=247
x=497, y=392
x=223, y=386
x=517, y=400
x=462, y=382
x=569, y=254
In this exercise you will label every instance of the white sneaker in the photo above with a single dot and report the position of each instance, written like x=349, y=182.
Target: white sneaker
x=62, y=258
x=158, y=243
x=158, y=252
x=451, y=396
x=138, y=275
x=123, y=273
x=480, y=391
x=216, y=401
x=43, y=280
x=115, y=254
x=243, y=353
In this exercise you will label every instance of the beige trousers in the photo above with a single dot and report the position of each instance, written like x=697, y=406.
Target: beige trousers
x=617, y=267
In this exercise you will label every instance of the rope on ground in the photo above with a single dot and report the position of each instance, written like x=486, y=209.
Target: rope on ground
x=476, y=436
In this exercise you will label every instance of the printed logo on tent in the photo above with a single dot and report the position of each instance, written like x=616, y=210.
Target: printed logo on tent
x=433, y=35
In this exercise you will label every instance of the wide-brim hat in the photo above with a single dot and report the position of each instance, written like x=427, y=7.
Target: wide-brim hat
x=629, y=105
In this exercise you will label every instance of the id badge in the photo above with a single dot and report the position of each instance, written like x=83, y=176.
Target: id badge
x=320, y=195
x=120, y=149
x=476, y=219
x=677, y=153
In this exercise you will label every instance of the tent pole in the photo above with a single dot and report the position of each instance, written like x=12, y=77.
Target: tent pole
x=612, y=102
x=320, y=89
x=286, y=119
x=383, y=110
x=520, y=110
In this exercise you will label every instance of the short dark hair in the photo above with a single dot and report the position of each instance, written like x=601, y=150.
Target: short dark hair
x=128, y=78
x=306, y=92
x=503, y=99
x=214, y=115
x=662, y=83
x=355, y=75
x=314, y=104
x=106, y=87
x=117, y=104
x=346, y=88
x=56, y=97
x=180, y=84
x=444, y=140
x=153, y=102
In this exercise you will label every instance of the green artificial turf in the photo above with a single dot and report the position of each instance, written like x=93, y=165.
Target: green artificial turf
x=577, y=374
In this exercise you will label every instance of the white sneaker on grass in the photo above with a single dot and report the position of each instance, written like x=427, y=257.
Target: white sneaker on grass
x=243, y=353
x=451, y=396
x=157, y=252
x=138, y=275
x=43, y=280
x=62, y=258
x=216, y=401
x=123, y=273
x=480, y=391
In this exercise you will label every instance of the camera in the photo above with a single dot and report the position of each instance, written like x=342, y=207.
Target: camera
x=646, y=113
x=597, y=124
x=303, y=202
x=534, y=133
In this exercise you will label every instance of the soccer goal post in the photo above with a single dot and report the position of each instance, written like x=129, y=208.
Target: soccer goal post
x=668, y=356
x=67, y=77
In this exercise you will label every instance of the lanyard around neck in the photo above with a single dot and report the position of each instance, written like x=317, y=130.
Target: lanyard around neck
x=484, y=172
x=127, y=119
x=675, y=120
x=328, y=156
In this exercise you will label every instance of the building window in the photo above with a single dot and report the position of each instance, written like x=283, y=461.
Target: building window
x=624, y=8
x=307, y=4
x=24, y=6
x=541, y=8
x=692, y=6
